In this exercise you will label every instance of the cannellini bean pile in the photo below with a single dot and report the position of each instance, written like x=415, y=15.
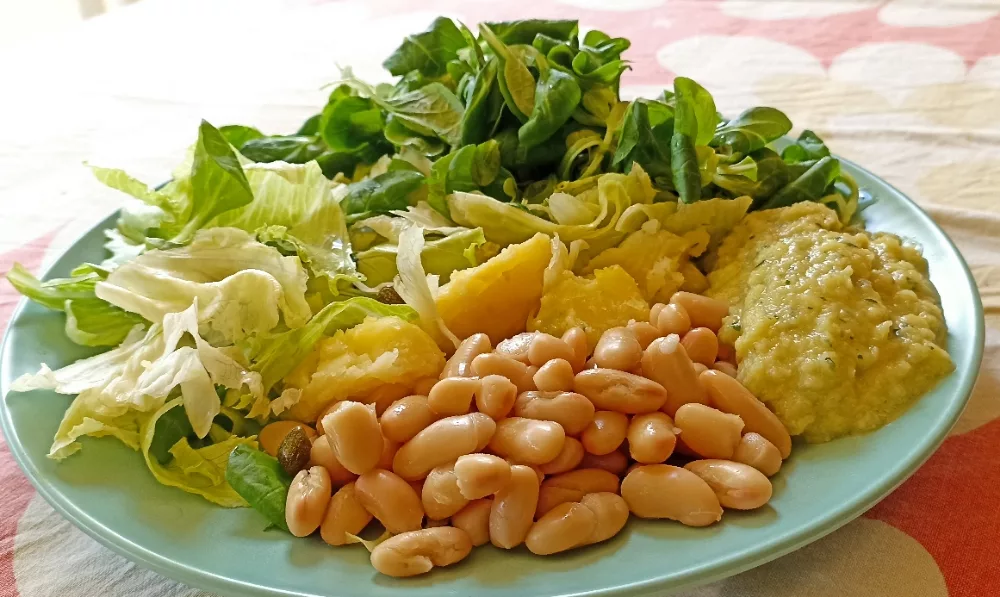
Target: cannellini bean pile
x=535, y=441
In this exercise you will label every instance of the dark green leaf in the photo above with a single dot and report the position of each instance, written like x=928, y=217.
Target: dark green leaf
x=260, y=480
x=643, y=143
x=545, y=43
x=752, y=130
x=432, y=110
x=310, y=128
x=294, y=149
x=398, y=134
x=237, y=134
x=684, y=167
x=482, y=109
x=772, y=174
x=516, y=83
x=557, y=95
x=351, y=123
x=171, y=428
x=217, y=181
x=524, y=32
x=700, y=117
x=427, y=52
x=815, y=183
x=808, y=147
x=381, y=194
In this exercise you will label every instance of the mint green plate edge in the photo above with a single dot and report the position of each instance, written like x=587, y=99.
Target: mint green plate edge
x=725, y=567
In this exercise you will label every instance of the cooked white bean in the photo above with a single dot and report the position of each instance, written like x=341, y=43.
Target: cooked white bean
x=738, y=486
x=564, y=527
x=619, y=349
x=710, y=432
x=755, y=450
x=474, y=519
x=513, y=509
x=453, y=395
x=495, y=396
x=554, y=376
x=665, y=491
x=418, y=552
x=460, y=363
x=307, y=499
x=480, y=475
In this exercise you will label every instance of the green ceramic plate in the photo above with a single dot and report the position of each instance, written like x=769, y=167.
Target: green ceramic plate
x=107, y=491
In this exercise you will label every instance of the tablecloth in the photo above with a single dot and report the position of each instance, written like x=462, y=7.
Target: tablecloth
x=909, y=88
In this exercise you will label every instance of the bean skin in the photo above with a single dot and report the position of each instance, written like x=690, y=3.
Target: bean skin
x=667, y=363
x=651, y=438
x=474, y=519
x=710, y=432
x=528, y=441
x=307, y=499
x=345, y=514
x=606, y=433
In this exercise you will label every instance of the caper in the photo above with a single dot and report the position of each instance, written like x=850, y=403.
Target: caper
x=293, y=454
x=389, y=296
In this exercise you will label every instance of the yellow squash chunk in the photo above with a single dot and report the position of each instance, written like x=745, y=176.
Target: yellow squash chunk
x=656, y=259
x=610, y=298
x=356, y=362
x=496, y=297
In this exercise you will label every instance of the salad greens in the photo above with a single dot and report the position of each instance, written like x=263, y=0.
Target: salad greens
x=260, y=480
x=221, y=282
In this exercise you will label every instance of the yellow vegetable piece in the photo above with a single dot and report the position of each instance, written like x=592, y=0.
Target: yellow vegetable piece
x=356, y=362
x=656, y=259
x=610, y=298
x=496, y=297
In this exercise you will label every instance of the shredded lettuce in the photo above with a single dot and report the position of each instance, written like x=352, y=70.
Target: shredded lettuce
x=201, y=471
x=138, y=377
x=418, y=289
x=440, y=256
x=241, y=285
x=586, y=218
x=90, y=321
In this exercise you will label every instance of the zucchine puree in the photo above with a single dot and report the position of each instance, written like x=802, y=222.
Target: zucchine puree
x=837, y=329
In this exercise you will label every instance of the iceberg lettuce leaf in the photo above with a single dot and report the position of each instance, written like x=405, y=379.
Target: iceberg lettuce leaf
x=241, y=285
x=201, y=471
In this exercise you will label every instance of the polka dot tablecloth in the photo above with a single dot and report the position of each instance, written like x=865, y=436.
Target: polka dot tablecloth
x=908, y=88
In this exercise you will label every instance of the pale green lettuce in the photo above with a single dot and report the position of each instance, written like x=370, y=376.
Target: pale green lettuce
x=241, y=285
x=417, y=288
x=201, y=471
x=440, y=256
x=90, y=321
x=507, y=223
x=116, y=387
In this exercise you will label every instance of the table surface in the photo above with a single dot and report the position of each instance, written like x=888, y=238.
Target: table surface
x=908, y=88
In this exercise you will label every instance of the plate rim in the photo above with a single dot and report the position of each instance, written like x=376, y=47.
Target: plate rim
x=724, y=567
